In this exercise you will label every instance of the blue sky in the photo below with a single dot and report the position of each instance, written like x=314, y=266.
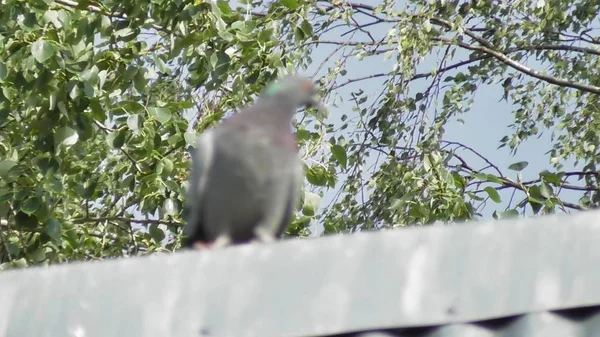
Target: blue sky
x=485, y=124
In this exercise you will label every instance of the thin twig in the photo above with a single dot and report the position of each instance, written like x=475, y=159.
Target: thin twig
x=133, y=161
x=98, y=10
x=129, y=220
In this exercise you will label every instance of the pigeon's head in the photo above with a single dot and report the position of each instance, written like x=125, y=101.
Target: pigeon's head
x=296, y=90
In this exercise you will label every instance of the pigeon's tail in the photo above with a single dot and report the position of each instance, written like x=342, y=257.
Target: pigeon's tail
x=193, y=231
x=193, y=242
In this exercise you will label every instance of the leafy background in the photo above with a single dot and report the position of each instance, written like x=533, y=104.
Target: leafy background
x=101, y=100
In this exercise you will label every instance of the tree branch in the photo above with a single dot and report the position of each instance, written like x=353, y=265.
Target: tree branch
x=460, y=145
x=128, y=220
x=522, y=68
x=133, y=161
x=98, y=10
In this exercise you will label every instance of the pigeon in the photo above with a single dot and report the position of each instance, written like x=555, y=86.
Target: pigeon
x=246, y=173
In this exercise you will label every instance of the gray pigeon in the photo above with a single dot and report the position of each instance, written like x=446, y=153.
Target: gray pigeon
x=246, y=172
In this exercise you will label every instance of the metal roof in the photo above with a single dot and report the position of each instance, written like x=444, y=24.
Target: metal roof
x=528, y=277
x=563, y=323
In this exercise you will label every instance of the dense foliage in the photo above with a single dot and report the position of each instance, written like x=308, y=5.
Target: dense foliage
x=100, y=101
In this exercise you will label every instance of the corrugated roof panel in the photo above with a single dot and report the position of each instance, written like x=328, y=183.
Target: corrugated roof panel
x=428, y=276
x=578, y=322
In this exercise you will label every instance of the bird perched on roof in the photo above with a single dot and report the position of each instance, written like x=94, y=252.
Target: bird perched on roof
x=246, y=172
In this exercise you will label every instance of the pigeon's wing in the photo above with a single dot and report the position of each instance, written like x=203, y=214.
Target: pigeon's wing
x=227, y=190
x=281, y=193
x=202, y=160
x=238, y=193
x=291, y=198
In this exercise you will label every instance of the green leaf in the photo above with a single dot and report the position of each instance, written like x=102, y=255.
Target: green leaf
x=535, y=194
x=42, y=50
x=53, y=185
x=3, y=71
x=13, y=249
x=85, y=128
x=65, y=137
x=90, y=75
x=116, y=139
x=533, y=200
x=47, y=165
x=317, y=176
x=224, y=7
x=126, y=33
x=459, y=181
x=167, y=165
x=133, y=122
x=31, y=205
x=190, y=138
x=172, y=185
x=74, y=90
x=553, y=178
x=5, y=195
x=221, y=27
x=339, y=153
x=512, y=213
x=5, y=167
x=290, y=4
x=493, y=194
x=25, y=220
x=174, y=139
x=311, y=203
x=128, y=106
x=307, y=28
x=518, y=166
x=418, y=211
x=493, y=179
x=158, y=62
x=220, y=63
x=427, y=163
x=163, y=115
x=536, y=204
x=20, y=263
x=39, y=254
x=170, y=207
x=299, y=35
x=52, y=227
x=140, y=81
x=546, y=190
x=265, y=35
x=156, y=233
x=480, y=176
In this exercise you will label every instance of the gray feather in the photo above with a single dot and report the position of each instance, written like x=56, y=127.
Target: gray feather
x=246, y=173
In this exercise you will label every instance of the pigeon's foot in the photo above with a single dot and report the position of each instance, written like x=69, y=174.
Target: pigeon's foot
x=221, y=241
x=263, y=236
x=201, y=245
